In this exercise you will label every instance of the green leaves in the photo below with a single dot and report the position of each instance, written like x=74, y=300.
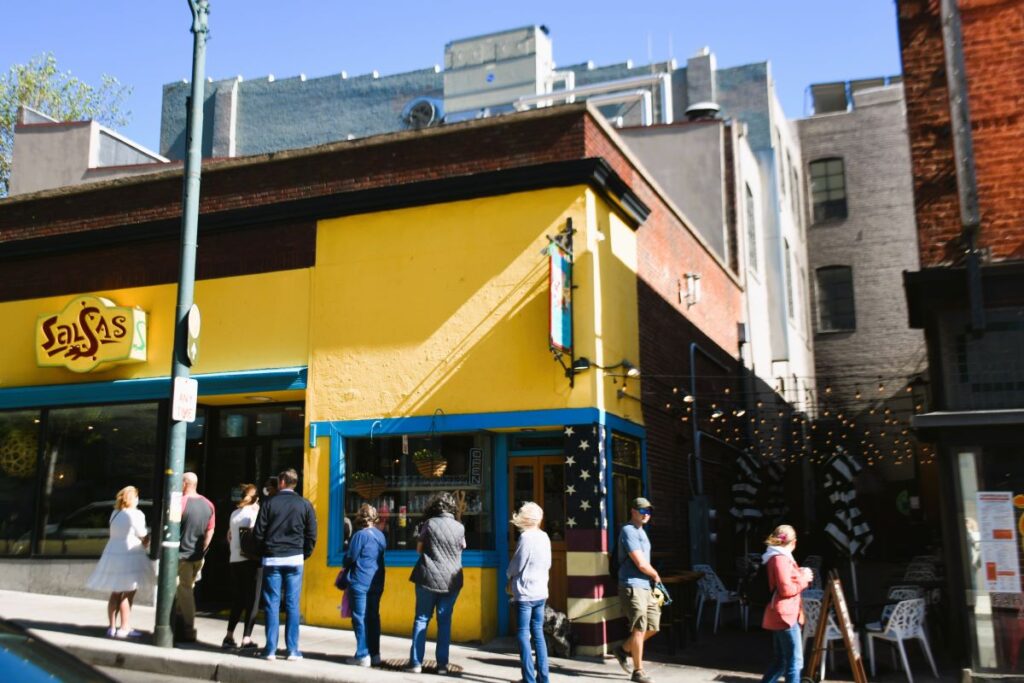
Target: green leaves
x=41, y=85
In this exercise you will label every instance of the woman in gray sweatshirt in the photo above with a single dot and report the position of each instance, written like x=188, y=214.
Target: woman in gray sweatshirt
x=528, y=585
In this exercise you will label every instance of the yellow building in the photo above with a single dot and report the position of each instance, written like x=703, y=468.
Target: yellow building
x=360, y=302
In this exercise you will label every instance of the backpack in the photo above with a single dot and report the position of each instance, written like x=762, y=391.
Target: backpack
x=616, y=559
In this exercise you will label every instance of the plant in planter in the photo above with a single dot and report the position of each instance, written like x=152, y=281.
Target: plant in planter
x=366, y=484
x=430, y=463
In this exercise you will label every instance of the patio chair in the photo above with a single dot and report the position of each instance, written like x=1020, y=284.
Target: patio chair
x=710, y=587
x=906, y=622
x=920, y=571
x=812, y=613
x=894, y=596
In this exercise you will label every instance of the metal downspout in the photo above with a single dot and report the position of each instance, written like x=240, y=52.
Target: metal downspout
x=963, y=152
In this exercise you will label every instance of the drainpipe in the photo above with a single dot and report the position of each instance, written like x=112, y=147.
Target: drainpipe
x=963, y=152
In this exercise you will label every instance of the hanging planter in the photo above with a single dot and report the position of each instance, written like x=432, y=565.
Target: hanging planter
x=366, y=484
x=430, y=464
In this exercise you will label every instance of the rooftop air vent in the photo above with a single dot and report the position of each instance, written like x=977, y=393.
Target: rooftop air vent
x=700, y=111
x=422, y=112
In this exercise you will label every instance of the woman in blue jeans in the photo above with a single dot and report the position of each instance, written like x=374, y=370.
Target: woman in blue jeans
x=784, y=613
x=438, y=579
x=528, y=585
x=364, y=562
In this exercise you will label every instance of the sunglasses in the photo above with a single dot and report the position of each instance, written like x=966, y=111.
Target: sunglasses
x=644, y=511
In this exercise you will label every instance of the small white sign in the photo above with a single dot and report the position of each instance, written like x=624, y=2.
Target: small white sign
x=186, y=396
x=405, y=444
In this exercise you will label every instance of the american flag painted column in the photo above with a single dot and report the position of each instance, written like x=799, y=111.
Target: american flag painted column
x=585, y=490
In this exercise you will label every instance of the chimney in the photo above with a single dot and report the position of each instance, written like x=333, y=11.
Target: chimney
x=700, y=77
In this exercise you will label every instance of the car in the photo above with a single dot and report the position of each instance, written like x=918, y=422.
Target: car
x=82, y=533
x=27, y=658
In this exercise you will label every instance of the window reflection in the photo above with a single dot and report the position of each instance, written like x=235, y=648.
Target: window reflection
x=19, y=449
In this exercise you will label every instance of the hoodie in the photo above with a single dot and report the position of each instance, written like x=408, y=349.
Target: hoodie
x=786, y=581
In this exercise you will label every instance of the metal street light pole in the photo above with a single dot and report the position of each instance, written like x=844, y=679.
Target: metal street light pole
x=163, y=634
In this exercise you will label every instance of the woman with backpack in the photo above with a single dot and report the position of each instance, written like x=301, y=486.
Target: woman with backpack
x=244, y=570
x=528, y=585
x=784, y=614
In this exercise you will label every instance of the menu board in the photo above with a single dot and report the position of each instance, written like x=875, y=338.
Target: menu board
x=998, y=531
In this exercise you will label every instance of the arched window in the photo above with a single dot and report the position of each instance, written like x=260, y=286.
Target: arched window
x=836, y=310
x=828, y=189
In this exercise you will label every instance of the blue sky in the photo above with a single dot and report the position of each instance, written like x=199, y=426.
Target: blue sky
x=146, y=43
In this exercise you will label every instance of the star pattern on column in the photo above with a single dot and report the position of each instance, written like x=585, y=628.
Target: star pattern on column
x=570, y=489
x=569, y=432
x=584, y=475
x=584, y=504
x=584, y=483
x=584, y=445
x=569, y=460
x=571, y=522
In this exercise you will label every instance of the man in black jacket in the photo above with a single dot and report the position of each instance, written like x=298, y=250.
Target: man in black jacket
x=285, y=530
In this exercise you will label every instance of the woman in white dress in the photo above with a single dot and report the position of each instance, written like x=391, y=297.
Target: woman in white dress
x=124, y=566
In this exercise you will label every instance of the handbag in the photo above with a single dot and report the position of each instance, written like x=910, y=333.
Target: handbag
x=341, y=580
x=346, y=606
x=247, y=543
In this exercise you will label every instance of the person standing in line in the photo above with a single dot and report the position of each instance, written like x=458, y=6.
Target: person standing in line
x=285, y=530
x=438, y=579
x=528, y=585
x=198, y=518
x=636, y=576
x=124, y=567
x=364, y=563
x=784, y=614
x=243, y=570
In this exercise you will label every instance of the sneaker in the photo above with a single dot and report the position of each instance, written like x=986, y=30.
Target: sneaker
x=442, y=669
x=272, y=657
x=121, y=633
x=294, y=657
x=414, y=668
x=375, y=660
x=625, y=661
x=111, y=632
x=229, y=643
x=640, y=677
x=359, y=661
x=248, y=645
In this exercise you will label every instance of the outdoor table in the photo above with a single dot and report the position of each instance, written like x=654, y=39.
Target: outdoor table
x=681, y=586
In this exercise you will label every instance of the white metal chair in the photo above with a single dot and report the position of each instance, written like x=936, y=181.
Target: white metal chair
x=906, y=622
x=812, y=613
x=710, y=587
x=895, y=595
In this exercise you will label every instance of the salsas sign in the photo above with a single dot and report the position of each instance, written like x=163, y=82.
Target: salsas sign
x=90, y=331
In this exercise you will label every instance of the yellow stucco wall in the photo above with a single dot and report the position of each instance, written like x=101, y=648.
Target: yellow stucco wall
x=446, y=306
x=249, y=322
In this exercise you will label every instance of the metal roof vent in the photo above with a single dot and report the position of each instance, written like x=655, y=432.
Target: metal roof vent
x=701, y=111
x=423, y=112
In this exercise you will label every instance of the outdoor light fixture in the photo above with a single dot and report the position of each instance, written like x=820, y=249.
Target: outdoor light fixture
x=629, y=370
x=689, y=291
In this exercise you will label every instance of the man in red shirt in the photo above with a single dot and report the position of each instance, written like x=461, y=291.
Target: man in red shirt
x=197, y=522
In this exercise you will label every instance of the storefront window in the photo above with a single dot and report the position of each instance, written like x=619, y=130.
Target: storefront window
x=384, y=472
x=992, y=497
x=89, y=454
x=19, y=450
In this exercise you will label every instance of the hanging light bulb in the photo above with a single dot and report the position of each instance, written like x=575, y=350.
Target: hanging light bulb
x=687, y=399
x=856, y=393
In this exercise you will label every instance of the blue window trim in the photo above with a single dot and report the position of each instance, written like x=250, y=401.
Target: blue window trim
x=149, y=388
x=337, y=431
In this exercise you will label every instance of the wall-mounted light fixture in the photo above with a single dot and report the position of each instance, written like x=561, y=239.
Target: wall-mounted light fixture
x=689, y=289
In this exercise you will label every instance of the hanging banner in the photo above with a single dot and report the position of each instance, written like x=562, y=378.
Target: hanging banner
x=560, y=299
x=90, y=331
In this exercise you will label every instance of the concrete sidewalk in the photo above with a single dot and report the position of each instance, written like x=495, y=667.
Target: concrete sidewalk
x=78, y=625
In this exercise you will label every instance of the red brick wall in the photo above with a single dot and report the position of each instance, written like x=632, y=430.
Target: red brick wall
x=993, y=36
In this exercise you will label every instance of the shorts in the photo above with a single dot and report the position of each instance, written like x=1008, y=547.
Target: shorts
x=641, y=611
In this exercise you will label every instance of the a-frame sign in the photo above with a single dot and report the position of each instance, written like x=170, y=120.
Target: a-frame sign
x=835, y=600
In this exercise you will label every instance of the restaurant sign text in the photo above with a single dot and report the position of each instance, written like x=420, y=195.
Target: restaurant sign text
x=90, y=331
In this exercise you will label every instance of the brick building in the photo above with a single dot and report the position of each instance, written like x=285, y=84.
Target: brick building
x=964, y=88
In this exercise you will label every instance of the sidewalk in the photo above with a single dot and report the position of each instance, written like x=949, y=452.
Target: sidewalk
x=78, y=625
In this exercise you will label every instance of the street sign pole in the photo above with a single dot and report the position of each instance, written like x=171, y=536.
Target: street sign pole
x=163, y=634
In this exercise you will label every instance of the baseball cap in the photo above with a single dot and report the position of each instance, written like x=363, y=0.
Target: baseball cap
x=641, y=502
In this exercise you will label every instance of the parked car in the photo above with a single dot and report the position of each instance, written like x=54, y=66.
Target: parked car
x=83, y=533
x=27, y=658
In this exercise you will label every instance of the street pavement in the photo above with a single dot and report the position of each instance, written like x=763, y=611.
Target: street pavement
x=78, y=626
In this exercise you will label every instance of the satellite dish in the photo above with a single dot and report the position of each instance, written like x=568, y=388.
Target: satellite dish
x=422, y=112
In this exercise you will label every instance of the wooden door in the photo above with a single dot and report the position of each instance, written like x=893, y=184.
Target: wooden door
x=542, y=480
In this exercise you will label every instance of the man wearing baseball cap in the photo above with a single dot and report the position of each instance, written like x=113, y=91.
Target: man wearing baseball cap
x=636, y=576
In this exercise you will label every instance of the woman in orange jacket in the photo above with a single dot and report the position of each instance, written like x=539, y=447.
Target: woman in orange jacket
x=784, y=614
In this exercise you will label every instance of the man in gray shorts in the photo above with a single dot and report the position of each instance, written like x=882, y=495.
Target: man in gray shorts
x=636, y=575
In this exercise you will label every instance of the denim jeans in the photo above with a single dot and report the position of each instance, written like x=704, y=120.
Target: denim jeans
x=787, y=655
x=530, y=621
x=276, y=579
x=366, y=621
x=426, y=603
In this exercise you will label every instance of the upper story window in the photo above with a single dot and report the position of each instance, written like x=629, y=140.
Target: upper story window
x=828, y=189
x=836, y=309
x=748, y=203
x=789, y=277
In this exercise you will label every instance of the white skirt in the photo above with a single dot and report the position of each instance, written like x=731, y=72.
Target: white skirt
x=119, y=572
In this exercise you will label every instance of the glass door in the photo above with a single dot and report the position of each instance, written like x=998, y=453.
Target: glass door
x=541, y=479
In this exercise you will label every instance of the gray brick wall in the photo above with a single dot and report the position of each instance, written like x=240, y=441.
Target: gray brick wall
x=877, y=239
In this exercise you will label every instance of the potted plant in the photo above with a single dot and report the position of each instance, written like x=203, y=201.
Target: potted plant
x=366, y=484
x=430, y=463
